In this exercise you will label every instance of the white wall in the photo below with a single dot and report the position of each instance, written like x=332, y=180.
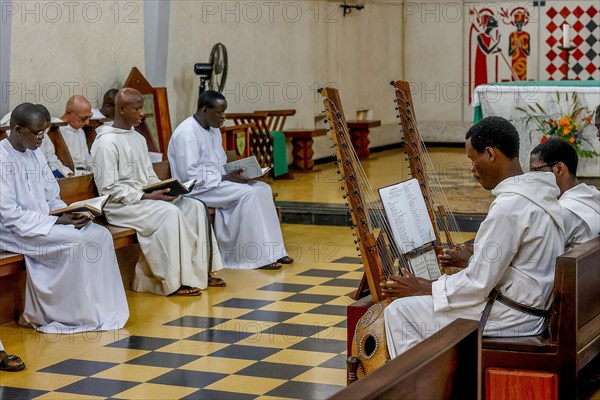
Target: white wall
x=63, y=48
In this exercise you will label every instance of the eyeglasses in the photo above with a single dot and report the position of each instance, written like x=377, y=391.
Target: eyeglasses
x=39, y=134
x=540, y=167
x=82, y=118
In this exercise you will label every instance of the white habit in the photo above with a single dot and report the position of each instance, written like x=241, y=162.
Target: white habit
x=173, y=236
x=73, y=280
x=580, y=208
x=77, y=145
x=246, y=221
x=515, y=252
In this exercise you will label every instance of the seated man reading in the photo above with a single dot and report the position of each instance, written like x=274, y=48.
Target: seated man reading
x=73, y=280
x=580, y=203
x=172, y=231
x=59, y=170
x=77, y=115
x=246, y=221
x=515, y=253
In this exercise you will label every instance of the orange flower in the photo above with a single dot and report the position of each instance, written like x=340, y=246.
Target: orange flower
x=572, y=140
x=566, y=131
x=565, y=121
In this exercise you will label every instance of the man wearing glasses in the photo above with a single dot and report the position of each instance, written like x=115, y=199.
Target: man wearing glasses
x=77, y=115
x=579, y=203
x=73, y=280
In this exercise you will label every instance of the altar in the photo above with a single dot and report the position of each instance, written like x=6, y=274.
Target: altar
x=502, y=99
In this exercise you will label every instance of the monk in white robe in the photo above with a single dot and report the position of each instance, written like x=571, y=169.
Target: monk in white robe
x=246, y=221
x=172, y=231
x=73, y=280
x=580, y=203
x=515, y=252
x=47, y=148
x=77, y=115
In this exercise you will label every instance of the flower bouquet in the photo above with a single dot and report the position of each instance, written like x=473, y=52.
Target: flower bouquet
x=568, y=124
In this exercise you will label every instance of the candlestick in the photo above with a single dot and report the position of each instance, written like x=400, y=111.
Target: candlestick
x=567, y=50
x=566, y=38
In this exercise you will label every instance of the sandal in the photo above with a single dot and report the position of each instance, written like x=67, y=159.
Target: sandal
x=11, y=363
x=273, y=266
x=187, y=291
x=286, y=260
x=213, y=281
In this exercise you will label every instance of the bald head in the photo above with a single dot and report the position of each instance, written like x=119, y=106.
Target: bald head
x=127, y=96
x=129, y=105
x=77, y=112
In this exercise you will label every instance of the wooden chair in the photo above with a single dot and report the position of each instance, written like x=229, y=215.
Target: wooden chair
x=276, y=118
x=570, y=343
x=156, y=125
x=444, y=366
x=261, y=142
x=236, y=139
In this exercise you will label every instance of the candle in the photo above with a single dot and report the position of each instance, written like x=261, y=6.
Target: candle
x=566, y=39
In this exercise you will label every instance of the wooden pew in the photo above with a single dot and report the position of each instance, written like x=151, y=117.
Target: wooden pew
x=444, y=366
x=550, y=363
x=12, y=266
x=276, y=118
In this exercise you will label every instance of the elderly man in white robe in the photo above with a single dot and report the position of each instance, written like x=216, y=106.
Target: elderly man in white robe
x=580, y=203
x=514, y=255
x=73, y=280
x=58, y=168
x=77, y=115
x=173, y=232
x=246, y=222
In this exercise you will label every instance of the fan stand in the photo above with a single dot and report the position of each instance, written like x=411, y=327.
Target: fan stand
x=202, y=85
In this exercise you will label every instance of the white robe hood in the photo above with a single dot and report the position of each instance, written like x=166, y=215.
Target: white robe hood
x=538, y=187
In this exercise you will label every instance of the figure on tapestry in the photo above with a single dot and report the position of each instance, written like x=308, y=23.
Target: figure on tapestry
x=519, y=42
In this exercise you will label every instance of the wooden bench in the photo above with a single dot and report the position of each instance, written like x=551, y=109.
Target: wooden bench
x=12, y=266
x=444, y=366
x=550, y=363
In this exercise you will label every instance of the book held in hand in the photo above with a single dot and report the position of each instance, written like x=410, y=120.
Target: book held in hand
x=177, y=188
x=89, y=207
x=250, y=166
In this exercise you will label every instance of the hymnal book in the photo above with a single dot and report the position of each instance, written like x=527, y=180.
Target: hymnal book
x=425, y=265
x=177, y=188
x=89, y=207
x=250, y=166
x=407, y=215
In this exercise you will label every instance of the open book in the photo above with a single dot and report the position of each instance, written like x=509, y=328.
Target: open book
x=250, y=166
x=177, y=188
x=89, y=207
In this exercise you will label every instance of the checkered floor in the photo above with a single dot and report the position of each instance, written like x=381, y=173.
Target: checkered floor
x=286, y=339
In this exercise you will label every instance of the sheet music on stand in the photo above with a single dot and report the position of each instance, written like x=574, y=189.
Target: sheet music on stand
x=411, y=227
